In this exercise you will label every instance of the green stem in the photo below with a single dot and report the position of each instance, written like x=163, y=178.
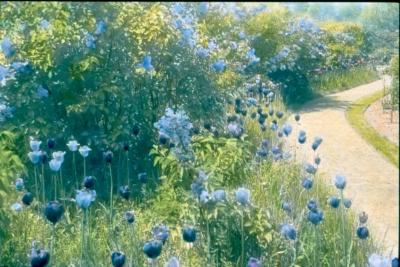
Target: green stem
x=55, y=185
x=242, y=229
x=84, y=166
x=76, y=177
x=36, y=184
x=43, y=187
x=127, y=167
x=62, y=190
x=343, y=229
x=83, y=238
x=111, y=198
x=52, y=248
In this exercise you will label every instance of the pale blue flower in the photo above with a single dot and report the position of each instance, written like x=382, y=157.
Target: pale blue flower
x=84, y=198
x=84, y=151
x=205, y=197
x=35, y=156
x=288, y=231
x=251, y=101
x=218, y=66
x=100, y=27
x=242, y=196
x=234, y=130
x=203, y=8
x=73, y=145
x=17, y=207
x=160, y=232
x=44, y=24
x=219, y=195
x=35, y=145
x=55, y=165
x=59, y=155
x=242, y=35
x=90, y=41
x=212, y=45
x=19, y=184
x=42, y=92
x=7, y=47
x=376, y=260
x=20, y=66
x=202, y=52
x=339, y=181
x=287, y=129
x=233, y=45
x=146, y=63
x=309, y=168
x=172, y=262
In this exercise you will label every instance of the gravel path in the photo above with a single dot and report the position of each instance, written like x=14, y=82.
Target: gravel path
x=372, y=181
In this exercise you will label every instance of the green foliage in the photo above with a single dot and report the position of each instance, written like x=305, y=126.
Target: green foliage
x=394, y=87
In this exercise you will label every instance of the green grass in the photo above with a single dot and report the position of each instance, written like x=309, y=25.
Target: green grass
x=336, y=81
x=355, y=115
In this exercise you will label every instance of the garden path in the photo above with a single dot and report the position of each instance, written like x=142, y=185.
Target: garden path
x=372, y=181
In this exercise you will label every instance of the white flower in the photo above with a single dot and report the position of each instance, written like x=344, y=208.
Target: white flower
x=55, y=165
x=84, y=150
x=59, y=155
x=73, y=145
x=376, y=260
x=16, y=207
x=35, y=145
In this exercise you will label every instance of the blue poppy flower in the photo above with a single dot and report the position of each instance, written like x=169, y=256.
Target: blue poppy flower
x=316, y=143
x=334, y=202
x=100, y=27
x=44, y=24
x=219, y=195
x=203, y=8
x=27, y=198
x=152, y=249
x=35, y=145
x=302, y=137
x=17, y=207
x=189, y=234
x=84, y=151
x=35, y=156
x=84, y=198
x=90, y=41
x=7, y=47
x=89, y=182
x=340, y=181
x=315, y=217
x=243, y=196
x=233, y=45
x=218, y=66
x=118, y=259
x=73, y=145
x=307, y=183
x=289, y=232
x=317, y=160
x=202, y=52
x=347, y=203
x=59, y=155
x=362, y=232
x=21, y=67
x=53, y=211
x=286, y=207
x=19, y=184
x=55, y=165
x=42, y=92
x=312, y=205
x=309, y=168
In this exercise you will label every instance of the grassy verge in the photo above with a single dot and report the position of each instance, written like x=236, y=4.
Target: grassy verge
x=355, y=115
x=336, y=81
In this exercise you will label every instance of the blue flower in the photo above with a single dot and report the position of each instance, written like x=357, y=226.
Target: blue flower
x=7, y=47
x=20, y=66
x=287, y=129
x=302, y=137
x=203, y=8
x=316, y=143
x=307, y=183
x=395, y=262
x=35, y=145
x=347, y=203
x=55, y=165
x=205, y=197
x=233, y=45
x=251, y=101
x=188, y=37
x=312, y=205
x=146, y=63
x=89, y=182
x=234, y=130
x=288, y=231
x=274, y=126
x=160, y=232
x=152, y=249
x=125, y=192
x=44, y=24
x=317, y=160
x=53, y=211
x=253, y=262
x=84, y=198
x=72, y=145
x=100, y=27
x=286, y=207
x=309, y=168
x=219, y=195
x=334, y=202
x=129, y=217
x=27, y=198
x=19, y=184
x=172, y=262
x=212, y=45
x=90, y=41
x=177, y=8
x=59, y=155
x=17, y=207
x=363, y=217
x=218, y=66
x=242, y=35
x=118, y=259
x=35, y=156
x=243, y=196
x=375, y=260
x=340, y=181
x=315, y=217
x=189, y=234
x=84, y=151
x=39, y=257
x=362, y=232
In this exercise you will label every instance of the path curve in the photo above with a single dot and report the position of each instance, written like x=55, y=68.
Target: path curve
x=372, y=181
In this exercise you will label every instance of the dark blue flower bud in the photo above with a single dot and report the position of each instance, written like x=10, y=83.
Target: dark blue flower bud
x=207, y=126
x=334, y=202
x=39, y=257
x=362, y=232
x=135, y=129
x=189, y=234
x=163, y=139
x=395, y=262
x=53, y=211
x=307, y=183
x=51, y=143
x=312, y=205
x=89, y=182
x=279, y=114
x=118, y=259
x=125, y=146
x=129, y=217
x=27, y=198
x=142, y=177
x=315, y=217
x=108, y=156
x=124, y=192
x=297, y=117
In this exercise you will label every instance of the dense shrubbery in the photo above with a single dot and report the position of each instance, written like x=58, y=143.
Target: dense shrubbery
x=179, y=104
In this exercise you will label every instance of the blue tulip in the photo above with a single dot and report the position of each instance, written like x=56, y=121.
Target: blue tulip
x=55, y=165
x=289, y=232
x=152, y=249
x=35, y=145
x=243, y=196
x=84, y=198
x=189, y=234
x=7, y=47
x=59, y=155
x=340, y=181
x=35, y=156
x=315, y=217
x=362, y=232
x=334, y=202
x=307, y=183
